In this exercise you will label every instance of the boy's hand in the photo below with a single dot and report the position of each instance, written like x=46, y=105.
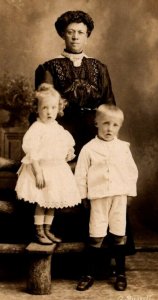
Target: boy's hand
x=40, y=182
x=86, y=203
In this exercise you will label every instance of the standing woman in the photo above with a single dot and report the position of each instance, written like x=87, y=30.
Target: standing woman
x=83, y=82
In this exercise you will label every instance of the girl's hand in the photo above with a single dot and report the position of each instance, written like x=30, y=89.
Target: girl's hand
x=37, y=171
x=40, y=182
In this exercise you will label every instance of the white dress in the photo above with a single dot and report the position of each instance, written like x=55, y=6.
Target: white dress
x=52, y=146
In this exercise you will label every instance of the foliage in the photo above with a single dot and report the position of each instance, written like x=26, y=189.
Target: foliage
x=16, y=94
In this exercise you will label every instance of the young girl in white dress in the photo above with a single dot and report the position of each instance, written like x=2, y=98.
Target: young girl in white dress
x=45, y=177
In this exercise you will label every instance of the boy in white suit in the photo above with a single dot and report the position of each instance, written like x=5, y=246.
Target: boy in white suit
x=106, y=174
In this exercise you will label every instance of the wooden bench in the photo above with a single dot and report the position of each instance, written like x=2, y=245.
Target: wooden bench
x=39, y=262
x=39, y=271
x=39, y=265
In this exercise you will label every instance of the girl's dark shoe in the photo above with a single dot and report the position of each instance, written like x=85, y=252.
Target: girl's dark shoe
x=50, y=235
x=40, y=236
x=120, y=283
x=85, y=283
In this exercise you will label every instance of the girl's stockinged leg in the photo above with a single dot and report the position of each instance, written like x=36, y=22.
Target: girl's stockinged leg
x=39, y=215
x=49, y=216
x=40, y=236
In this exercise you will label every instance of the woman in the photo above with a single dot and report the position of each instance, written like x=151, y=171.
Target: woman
x=82, y=81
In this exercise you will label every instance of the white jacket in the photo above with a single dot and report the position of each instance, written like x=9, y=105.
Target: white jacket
x=106, y=169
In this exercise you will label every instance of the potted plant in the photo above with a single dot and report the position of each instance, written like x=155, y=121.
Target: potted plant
x=17, y=97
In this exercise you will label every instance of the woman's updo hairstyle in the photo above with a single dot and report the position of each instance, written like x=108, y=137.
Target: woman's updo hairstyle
x=76, y=16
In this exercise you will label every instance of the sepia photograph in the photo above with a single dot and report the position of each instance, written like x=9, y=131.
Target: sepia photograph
x=78, y=149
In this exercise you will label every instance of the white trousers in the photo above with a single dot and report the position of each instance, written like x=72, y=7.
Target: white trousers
x=108, y=213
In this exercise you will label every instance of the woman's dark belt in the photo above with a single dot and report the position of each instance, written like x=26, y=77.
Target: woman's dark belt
x=84, y=109
x=77, y=111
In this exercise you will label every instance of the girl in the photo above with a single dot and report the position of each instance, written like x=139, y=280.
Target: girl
x=45, y=177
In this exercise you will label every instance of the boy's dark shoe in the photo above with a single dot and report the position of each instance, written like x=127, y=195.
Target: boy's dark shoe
x=85, y=283
x=120, y=283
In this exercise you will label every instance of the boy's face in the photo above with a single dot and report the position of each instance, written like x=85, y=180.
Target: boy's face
x=109, y=126
x=48, y=109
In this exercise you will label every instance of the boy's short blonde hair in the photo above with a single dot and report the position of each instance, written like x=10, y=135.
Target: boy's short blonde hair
x=106, y=109
x=47, y=89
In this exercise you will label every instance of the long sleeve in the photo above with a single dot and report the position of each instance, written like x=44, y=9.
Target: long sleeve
x=132, y=172
x=108, y=96
x=81, y=172
x=42, y=75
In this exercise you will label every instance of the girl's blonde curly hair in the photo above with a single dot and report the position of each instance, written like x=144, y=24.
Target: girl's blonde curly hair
x=47, y=89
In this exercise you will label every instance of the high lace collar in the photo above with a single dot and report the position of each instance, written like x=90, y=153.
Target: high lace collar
x=76, y=58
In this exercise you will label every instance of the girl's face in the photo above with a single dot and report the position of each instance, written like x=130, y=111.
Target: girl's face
x=48, y=109
x=75, y=37
x=109, y=126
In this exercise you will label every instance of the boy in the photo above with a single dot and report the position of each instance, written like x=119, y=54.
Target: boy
x=106, y=174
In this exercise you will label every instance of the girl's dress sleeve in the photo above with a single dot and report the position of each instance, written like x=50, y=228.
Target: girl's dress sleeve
x=81, y=172
x=70, y=144
x=31, y=144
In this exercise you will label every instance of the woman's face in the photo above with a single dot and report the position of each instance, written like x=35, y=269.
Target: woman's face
x=75, y=37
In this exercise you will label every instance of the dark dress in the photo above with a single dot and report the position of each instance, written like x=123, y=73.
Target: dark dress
x=84, y=87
